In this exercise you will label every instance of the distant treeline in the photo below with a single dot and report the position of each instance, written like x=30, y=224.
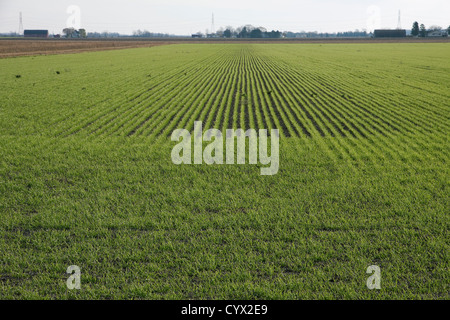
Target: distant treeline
x=148, y=34
x=421, y=31
x=249, y=31
x=315, y=34
x=137, y=34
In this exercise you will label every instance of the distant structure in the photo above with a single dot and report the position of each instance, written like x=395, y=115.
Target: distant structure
x=213, y=27
x=437, y=33
x=389, y=33
x=35, y=33
x=197, y=35
x=20, y=24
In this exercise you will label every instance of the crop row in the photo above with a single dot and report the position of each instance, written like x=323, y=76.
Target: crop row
x=255, y=86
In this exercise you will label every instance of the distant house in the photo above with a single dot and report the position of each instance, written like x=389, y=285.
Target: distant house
x=388, y=33
x=437, y=33
x=75, y=34
x=35, y=33
x=197, y=36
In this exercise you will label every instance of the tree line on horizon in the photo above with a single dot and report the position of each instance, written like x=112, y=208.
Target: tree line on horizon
x=247, y=31
x=250, y=32
x=421, y=31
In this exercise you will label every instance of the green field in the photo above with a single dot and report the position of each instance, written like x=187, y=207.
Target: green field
x=86, y=176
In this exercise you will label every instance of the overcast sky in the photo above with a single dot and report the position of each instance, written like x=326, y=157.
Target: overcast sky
x=184, y=17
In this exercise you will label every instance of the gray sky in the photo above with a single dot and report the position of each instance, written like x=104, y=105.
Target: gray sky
x=189, y=16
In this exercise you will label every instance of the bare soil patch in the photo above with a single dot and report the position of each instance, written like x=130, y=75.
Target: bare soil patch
x=15, y=48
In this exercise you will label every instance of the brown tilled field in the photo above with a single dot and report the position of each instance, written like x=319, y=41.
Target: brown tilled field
x=26, y=47
x=14, y=48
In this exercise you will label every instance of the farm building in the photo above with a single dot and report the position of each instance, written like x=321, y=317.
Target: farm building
x=398, y=33
x=35, y=33
x=438, y=33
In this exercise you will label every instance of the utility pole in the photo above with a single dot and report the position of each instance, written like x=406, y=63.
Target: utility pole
x=399, y=24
